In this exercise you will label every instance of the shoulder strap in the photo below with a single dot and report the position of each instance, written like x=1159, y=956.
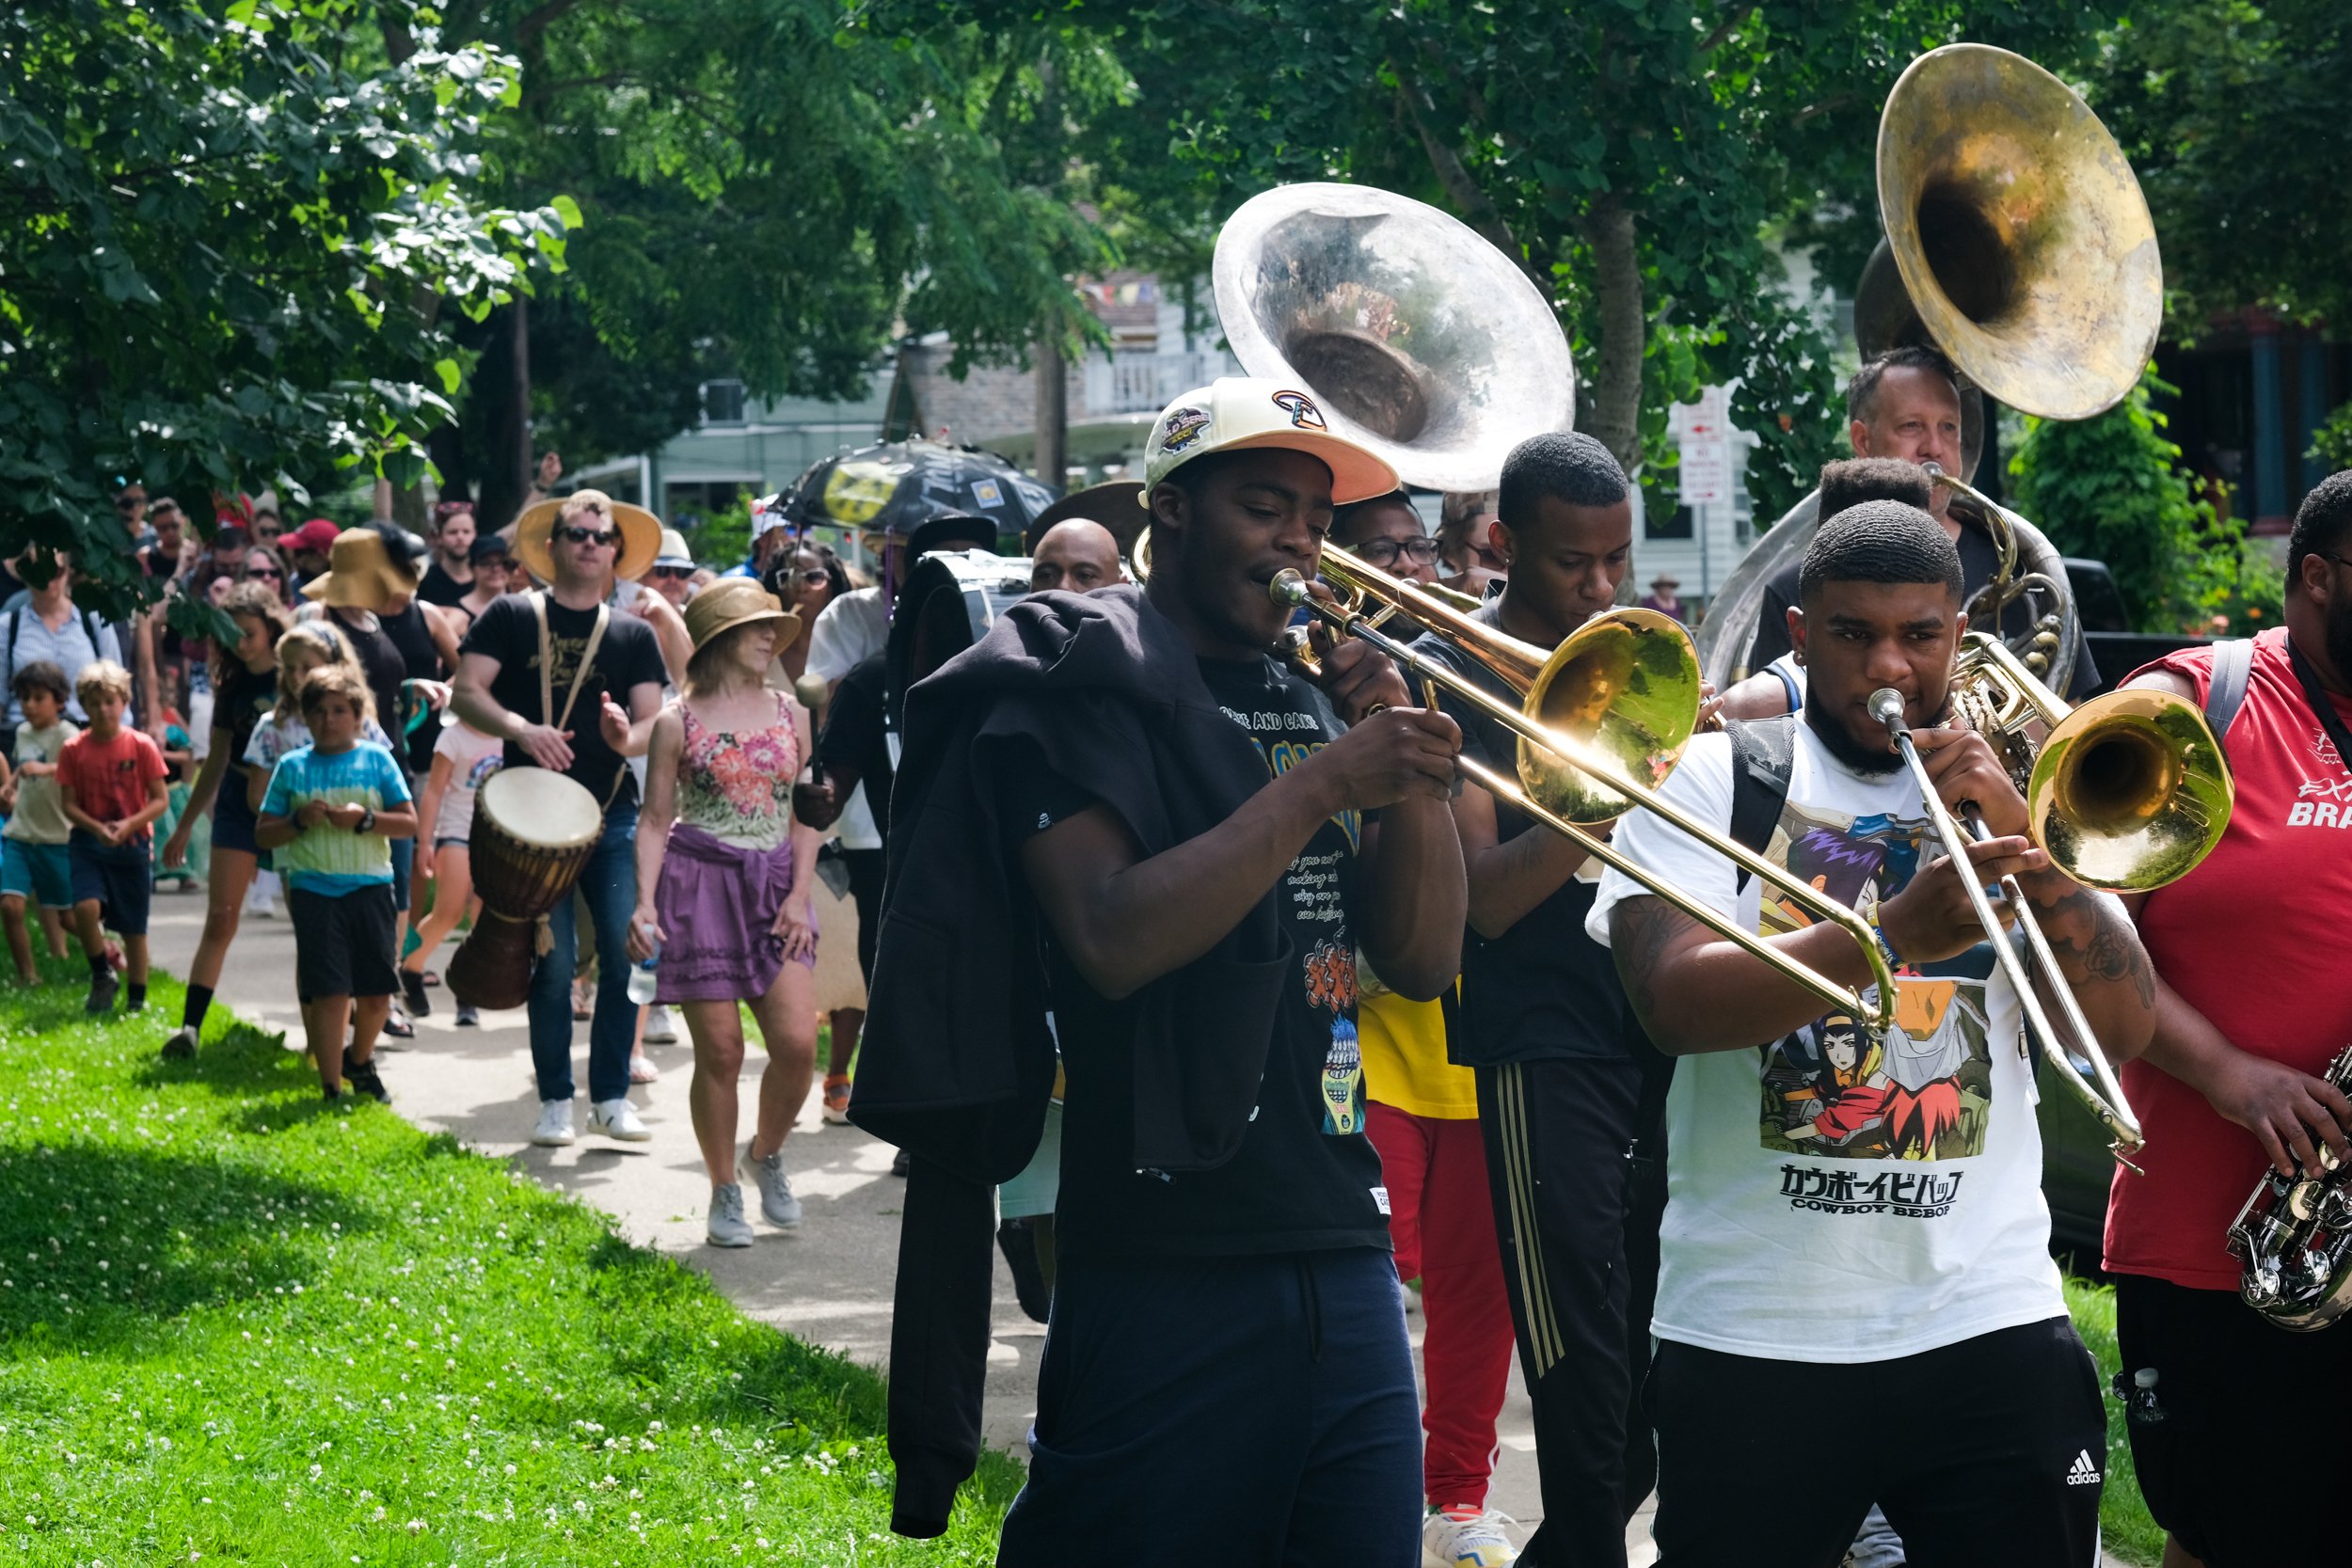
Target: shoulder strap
x=2232, y=665
x=547, y=661
x=1763, y=754
x=16, y=618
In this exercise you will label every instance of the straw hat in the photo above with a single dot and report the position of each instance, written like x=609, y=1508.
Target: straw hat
x=674, y=551
x=733, y=602
x=641, y=534
x=359, y=574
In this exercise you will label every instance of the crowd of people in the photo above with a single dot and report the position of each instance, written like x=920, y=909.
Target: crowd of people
x=1201, y=984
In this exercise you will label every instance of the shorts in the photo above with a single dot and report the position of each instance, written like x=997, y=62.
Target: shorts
x=233, y=819
x=404, y=859
x=440, y=843
x=342, y=942
x=119, y=878
x=2230, y=1470
x=40, y=872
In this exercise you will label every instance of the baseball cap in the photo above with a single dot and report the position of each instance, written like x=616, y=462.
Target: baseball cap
x=1233, y=413
x=317, y=534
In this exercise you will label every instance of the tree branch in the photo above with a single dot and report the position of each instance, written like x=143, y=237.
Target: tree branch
x=531, y=26
x=1460, y=188
x=1729, y=25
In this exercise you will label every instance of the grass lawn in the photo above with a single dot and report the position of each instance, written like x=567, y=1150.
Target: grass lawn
x=239, y=1326
x=2127, y=1531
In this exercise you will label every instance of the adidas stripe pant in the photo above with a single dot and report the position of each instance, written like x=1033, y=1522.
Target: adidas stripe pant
x=1990, y=1450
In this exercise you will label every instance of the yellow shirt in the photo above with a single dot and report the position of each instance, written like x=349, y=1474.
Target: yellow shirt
x=1404, y=1055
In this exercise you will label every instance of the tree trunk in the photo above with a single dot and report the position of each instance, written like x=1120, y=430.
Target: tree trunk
x=1617, y=282
x=1053, y=409
x=523, y=462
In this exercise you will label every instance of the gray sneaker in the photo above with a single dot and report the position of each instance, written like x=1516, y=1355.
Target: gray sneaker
x=729, y=1228
x=776, y=1188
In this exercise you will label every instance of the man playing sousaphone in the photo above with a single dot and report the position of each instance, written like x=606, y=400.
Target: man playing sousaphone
x=542, y=670
x=1855, y=1249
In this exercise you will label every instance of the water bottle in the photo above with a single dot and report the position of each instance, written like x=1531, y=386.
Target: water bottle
x=2140, y=1406
x=641, y=978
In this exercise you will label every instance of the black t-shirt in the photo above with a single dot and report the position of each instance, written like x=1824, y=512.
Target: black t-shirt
x=1978, y=558
x=626, y=659
x=1306, y=1178
x=439, y=588
x=240, y=707
x=1543, y=990
x=857, y=734
x=379, y=659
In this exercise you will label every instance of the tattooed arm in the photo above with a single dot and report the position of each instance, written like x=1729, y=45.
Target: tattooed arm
x=2098, y=952
x=1695, y=992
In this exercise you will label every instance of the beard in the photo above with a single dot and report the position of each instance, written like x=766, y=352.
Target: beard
x=2339, y=638
x=1852, y=753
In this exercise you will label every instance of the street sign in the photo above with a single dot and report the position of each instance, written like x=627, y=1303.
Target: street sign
x=1704, y=433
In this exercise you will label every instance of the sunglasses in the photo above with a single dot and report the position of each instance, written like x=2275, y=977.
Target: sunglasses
x=814, y=575
x=129, y=504
x=270, y=572
x=673, y=572
x=574, y=534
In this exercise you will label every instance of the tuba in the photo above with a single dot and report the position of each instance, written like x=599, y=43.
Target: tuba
x=2295, y=1237
x=2018, y=243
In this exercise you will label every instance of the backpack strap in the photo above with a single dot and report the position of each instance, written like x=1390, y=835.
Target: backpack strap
x=2232, y=665
x=1763, y=754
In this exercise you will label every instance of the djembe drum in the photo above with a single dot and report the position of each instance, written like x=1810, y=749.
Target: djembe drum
x=532, y=833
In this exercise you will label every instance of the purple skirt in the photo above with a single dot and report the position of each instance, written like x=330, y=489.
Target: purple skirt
x=718, y=906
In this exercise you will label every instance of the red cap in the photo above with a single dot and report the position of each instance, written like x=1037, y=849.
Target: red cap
x=317, y=534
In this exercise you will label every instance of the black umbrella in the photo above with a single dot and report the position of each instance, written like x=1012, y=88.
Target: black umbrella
x=899, y=486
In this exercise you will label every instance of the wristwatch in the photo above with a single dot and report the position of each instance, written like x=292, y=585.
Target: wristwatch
x=367, y=821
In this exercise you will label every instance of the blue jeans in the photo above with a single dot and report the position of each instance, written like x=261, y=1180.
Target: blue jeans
x=609, y=883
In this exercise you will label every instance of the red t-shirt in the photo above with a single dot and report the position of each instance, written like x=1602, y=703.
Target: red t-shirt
x=2253, y=940
x=110, y=779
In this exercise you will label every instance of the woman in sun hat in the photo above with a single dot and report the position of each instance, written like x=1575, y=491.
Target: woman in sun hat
x=723, y=878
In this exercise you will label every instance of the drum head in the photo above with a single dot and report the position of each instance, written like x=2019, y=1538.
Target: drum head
x=535, y=806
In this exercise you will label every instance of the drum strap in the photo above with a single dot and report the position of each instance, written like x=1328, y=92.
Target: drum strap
x=547, y=661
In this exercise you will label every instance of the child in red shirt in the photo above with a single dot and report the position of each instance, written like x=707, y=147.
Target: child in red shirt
x=111, y=782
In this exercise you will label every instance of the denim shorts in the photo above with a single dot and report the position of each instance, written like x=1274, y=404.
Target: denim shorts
x=40, y=872
x=119, y=878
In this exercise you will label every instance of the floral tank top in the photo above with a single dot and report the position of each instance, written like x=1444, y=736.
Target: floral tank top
x=738, y=787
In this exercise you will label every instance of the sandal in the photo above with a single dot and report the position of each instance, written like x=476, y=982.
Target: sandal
x=642, y=1070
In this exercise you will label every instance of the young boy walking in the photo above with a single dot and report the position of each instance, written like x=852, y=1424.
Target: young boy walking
x=35, y=863
x=110, y=782
x=331, y=812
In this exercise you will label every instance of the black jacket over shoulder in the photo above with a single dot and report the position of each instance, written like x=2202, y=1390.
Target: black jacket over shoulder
x=957, y=1064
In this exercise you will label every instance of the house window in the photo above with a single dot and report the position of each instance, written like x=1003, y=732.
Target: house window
x=722, y=403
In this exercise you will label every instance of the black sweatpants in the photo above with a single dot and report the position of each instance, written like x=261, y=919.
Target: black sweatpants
x=2251, y=1466
x=1577, y=1223
x=866, y=868
x=1990, y=1450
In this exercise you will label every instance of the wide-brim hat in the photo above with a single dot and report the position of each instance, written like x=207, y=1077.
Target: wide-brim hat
x=1117, y=505
x=1666, y=580
x=733, y=602
x=359, y=574
x=1237, y=413
x=674, y=551
x=641, y=534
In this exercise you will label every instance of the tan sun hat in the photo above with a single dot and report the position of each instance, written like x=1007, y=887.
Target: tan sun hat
x=733, y=602
x=359, y=574
x=641, y=533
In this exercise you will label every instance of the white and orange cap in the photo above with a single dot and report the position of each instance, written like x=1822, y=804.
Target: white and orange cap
x=1236, y=412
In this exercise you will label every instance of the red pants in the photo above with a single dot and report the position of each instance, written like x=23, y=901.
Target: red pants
x=1443, y=1223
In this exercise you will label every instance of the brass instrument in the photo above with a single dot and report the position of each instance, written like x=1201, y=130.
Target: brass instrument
x=1603, y=719
x=2017, y=243
x=2127, y=792
x=2294, y=1236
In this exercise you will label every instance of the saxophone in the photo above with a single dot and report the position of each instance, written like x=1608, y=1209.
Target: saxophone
x=2295, y=1237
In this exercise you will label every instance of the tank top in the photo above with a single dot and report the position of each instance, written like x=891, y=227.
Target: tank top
x=420, y=660
x=737, y=785
x=380, y=660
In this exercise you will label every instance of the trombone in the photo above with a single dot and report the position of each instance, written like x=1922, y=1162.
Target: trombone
x=2127, y=792
x=1603, y=721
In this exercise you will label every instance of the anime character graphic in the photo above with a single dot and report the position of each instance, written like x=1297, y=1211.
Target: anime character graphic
x=1922, y=1092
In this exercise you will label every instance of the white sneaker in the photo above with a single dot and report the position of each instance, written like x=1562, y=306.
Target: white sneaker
x=1459, y=1538
x=729, y=1228
x=776, y=1188
x=555, y=1124
x=618, y=1118
x=661, y=1028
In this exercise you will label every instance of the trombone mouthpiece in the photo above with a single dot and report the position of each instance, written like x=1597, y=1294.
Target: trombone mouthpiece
x=1886, y=707
x=1288, y=587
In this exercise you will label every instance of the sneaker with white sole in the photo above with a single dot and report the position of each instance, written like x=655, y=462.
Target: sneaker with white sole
x=555, y=1125
x=660, y=1026
x=1467, y=1538
x=776, y=1188
x=181, y=1045
x=729, y=1228
x=618, y=1118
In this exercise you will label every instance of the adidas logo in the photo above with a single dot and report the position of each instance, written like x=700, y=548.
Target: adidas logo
x=2082, y=1472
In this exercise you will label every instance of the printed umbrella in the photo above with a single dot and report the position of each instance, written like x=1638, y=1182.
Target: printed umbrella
x=899, y=486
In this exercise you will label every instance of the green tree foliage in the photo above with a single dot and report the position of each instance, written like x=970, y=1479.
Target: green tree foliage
x=2332, y=443
x=230, y=236
x=1634, y=156
x=773, y=188
x=2111, y=487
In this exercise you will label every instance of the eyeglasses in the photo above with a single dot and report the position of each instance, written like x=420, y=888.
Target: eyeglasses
x=1384, y=552
x=270, y=572
x=574, y=534
x=814, y=575
x=673, y=572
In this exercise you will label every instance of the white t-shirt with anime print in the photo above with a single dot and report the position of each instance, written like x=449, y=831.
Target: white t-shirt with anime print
x=1832, y=1198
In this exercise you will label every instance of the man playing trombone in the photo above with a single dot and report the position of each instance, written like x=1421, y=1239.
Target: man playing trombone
x=1856, y=1299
